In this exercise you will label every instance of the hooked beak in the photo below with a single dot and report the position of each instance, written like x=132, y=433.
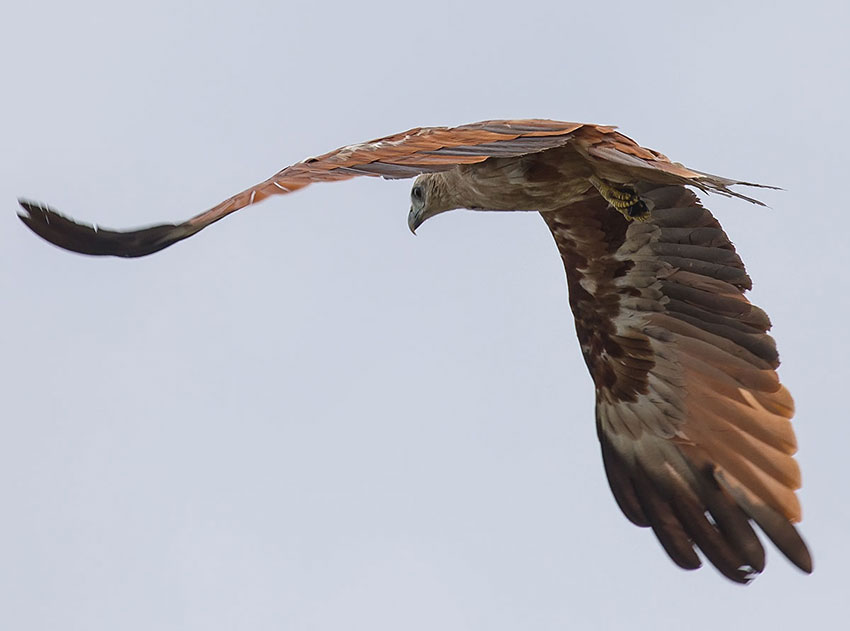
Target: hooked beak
x=414, y=220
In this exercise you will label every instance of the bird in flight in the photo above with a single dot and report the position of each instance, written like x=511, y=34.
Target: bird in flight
x=694, y=425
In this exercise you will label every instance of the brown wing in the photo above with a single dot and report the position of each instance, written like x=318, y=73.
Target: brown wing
x=402, y=155
x=694, y=425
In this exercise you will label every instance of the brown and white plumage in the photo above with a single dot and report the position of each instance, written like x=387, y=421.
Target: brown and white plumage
x=694, y=424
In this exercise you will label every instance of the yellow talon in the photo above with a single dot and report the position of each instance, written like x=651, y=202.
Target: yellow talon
x=625, y=201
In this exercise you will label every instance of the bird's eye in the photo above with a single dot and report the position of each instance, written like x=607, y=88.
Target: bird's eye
x=416, y=192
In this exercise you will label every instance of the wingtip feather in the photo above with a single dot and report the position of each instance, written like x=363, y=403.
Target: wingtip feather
x=85, y=238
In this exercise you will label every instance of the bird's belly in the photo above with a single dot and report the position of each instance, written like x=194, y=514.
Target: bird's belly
x=544, y=181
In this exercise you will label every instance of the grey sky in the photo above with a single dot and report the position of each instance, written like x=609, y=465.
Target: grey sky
x=305, y=418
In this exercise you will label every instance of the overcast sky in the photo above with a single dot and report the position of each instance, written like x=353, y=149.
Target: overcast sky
x=306, y=418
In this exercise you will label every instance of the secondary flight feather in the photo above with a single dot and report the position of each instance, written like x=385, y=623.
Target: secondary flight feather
x=694, y=424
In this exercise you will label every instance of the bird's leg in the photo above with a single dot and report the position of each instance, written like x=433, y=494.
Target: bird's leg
x=623, y=199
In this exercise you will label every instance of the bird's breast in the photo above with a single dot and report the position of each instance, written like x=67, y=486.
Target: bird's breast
x=541, y=181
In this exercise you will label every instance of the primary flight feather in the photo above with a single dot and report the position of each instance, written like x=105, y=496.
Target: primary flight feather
x=694, y=424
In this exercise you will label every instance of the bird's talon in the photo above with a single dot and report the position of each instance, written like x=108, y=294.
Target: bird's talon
x=625, y=201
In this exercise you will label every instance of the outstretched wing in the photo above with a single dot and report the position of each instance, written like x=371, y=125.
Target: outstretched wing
x=402, y=155
x=694, y=424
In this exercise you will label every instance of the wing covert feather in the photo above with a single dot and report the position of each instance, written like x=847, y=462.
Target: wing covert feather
x=403, y=155
x=693, y=421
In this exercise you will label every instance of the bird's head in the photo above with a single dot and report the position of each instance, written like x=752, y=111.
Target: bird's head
x=428, y=197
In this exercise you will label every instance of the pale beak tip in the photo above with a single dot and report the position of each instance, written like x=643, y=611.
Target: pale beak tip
x=413, y=222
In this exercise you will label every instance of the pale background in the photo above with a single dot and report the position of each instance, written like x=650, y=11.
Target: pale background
x=306, y=418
